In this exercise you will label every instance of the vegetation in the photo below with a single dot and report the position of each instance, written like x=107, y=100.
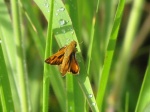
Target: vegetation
x=111, y=51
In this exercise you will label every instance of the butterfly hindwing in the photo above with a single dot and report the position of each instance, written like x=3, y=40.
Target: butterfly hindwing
x=74, y=67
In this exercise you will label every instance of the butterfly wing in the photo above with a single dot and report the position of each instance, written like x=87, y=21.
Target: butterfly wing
x=65, y=58
x=74, y=67
x=64, y=69
x=68, y=63
x=57, y=58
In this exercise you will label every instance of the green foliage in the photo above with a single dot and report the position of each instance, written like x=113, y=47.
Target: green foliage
x=5, y=90
x=107, y=74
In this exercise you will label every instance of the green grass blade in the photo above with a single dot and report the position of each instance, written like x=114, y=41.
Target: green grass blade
x=91, y=45
x=109, y=54
x=62, y=25
x=127, y=102
x=37, y=42
x=34, y=24
x=143, y=103
x=59, y=88
x=74, y=93
x=5, y=89
x=70, y=94
x=8, y=46
x=21, y=72
x=46, y=77
x=70, y=87
x=79, y=98
x=124, y=58
x=87, y=90
x=92, y=39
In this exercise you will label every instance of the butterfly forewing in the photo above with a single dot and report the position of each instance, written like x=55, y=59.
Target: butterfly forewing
x=57, y=58
x=64, y=69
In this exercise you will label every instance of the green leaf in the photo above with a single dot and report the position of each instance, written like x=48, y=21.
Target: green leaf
x=46, y=78
x=5, y=89
x=109, y=54
x=8, y=47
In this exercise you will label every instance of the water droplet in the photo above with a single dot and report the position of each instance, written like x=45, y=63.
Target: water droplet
x=71, y=28
x=62, y=22
x=90, y=95
x=46, y=5
x=60, y=9
x=68, y=40
x=44, y=82
x=72, y=32
x=0, y=41
x=93, y=103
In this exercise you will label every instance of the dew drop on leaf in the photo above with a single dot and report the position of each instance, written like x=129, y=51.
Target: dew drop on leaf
x=93, y=103
x=90, y=95
x=62, y=22
x=61, y=9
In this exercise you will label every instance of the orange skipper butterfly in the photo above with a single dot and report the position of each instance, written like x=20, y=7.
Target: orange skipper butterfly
x=65, y=58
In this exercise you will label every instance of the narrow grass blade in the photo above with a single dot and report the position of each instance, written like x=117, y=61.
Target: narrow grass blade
x=79, y=98
x=70, y=93
x=46, y=81
x=124, y=58
x=74, y=93
x=5, y=89
x=8, y=46
x=35, y=25
x=127, y=102
x=59, y=88
x=109, y=54
x=20, y=59
x=92, y=38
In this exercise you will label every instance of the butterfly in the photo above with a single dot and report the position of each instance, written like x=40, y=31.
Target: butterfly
x=66, y=59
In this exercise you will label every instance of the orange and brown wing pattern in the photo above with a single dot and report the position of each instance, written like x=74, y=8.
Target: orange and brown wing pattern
x=65, y=58
x=57, y=58
x=74, y=67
